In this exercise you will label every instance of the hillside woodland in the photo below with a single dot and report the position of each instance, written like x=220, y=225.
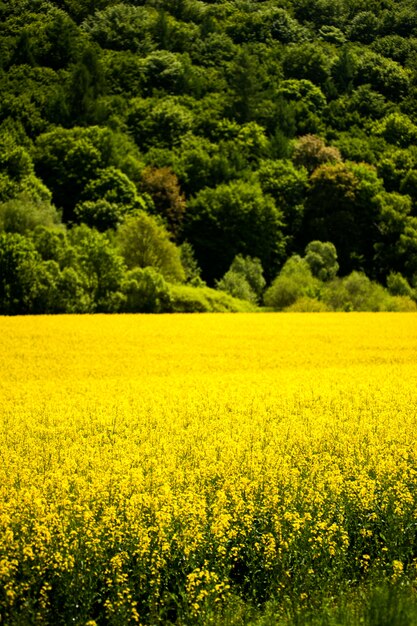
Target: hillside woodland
x=183, y=155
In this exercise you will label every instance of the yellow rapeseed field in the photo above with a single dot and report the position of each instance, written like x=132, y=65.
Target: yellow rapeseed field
x=154, y=467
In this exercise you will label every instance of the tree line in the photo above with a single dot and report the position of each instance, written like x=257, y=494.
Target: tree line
x=189, y=155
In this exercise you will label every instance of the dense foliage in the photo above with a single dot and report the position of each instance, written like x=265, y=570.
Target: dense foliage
x=247, y=128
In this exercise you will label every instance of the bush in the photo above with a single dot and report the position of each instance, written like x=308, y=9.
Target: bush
x=23, y=214
x=244, y=279
x=146, y=291
x=307, y=305
x=188, y=299
x=355, y=292
x=294, y=281
x=143, y=242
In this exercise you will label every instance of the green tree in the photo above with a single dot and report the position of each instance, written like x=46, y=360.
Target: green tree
x=294, y=281
x=231, y=219
x=321, y=257
x=143, y=242
x=340, y=208
x=308, y=61
x=67, y=160
x=158, y=122
x=122, y=27
x=23, y=214
x=19, y=263
x=288, y=186
x=396, y=129
x=145, y=291
x=245, y=84
x=244, y=279
x=101, y=267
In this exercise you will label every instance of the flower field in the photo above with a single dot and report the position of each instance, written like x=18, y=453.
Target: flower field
x=160, y=469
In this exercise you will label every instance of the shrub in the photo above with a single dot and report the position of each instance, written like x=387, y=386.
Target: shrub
x=188, y=299
x=294, y=281
x=307, y=305
x=146, y=291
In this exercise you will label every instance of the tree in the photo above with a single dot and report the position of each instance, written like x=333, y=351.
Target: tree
x=100, y=265
x=23, y=214
x=245, y=86
x=300, y=103
x=340, y=208
x=396, y=129
x=122, y=27
x=310, y=151
x=234, y=218
x=308, y=61
x=86, y=85
x=288, y=186
x=322, y=259
x=294, y=281
x=145, y=290
x=244, y=279
x=163, y=187
x=68, y=160
x=19, y=264
x=143, y=242
x=160, y=123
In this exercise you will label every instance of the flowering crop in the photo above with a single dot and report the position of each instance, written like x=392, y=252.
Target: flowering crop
x=154, y=467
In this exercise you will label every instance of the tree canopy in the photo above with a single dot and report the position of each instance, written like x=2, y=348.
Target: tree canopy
x=238, y=130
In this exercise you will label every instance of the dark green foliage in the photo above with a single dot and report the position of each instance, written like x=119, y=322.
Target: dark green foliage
x=233, y=218
x=322, y=259
x=247, y=128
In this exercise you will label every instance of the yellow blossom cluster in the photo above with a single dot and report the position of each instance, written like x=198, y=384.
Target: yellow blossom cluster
x=153, y=467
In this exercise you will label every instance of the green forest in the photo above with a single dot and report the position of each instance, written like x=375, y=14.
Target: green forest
x=181, y=155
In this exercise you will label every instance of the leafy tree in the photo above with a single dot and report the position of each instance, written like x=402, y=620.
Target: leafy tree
x=294, y=281
x=68, y=160
x=86, y=85
x=245, y=83
x=163, y=187
x=398, y=285
x=63, y=41
x=355, y=293
x=145, y=291
x=23, y=214
x=393, y=167
x=364, y=27
x=301, y=101
x=190, y=265
x=322, y=259
x=288, y=186
x=308, y=61
x=101, y=267
x=244, y=279
x=161, y=123
x=396, y=129
x=231, y=219
x=100, y=214
x=310, y=151
x=122, y=27
x=143, y=242
x=18, y=279
x=393, y=218
x=384, y=75
x=164, y=70
x=340, y=208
